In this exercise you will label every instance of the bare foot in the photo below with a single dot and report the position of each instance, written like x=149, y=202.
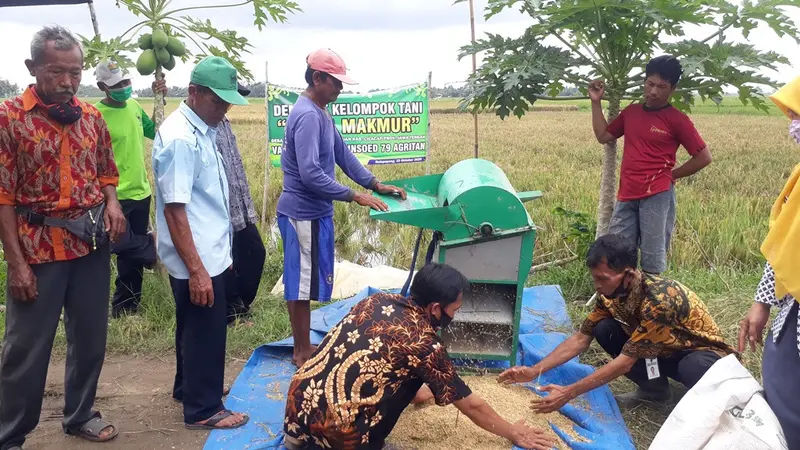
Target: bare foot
x=106, y=432
x=301, y=355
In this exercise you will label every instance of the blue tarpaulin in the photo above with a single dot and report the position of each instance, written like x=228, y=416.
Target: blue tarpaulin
x=260, y=388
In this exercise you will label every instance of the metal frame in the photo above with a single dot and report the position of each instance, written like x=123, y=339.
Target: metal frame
x=524, y=264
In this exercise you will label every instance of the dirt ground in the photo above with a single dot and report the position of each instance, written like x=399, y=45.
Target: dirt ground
x=135, y=394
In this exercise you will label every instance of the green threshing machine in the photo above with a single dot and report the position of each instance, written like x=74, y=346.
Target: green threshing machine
x=485, y=232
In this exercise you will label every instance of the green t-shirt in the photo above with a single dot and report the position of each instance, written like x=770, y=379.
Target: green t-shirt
x=128, y=127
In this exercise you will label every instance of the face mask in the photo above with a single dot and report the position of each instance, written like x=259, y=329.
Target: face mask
x=621, y=290
x=794, y=130
x=122, y=94
x=443, y=322
x=63, y=113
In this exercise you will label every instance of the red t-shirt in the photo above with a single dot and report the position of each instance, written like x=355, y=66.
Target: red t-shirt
x=652, y=139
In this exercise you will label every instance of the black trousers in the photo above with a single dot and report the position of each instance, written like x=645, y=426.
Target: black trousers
x=781, y=365
x=80, y=287
x=687, y=367
x=200, y=337
x=134, y=251
x=242, y=281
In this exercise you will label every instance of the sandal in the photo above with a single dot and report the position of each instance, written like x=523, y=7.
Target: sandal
x=215, y=419
x=91, y=430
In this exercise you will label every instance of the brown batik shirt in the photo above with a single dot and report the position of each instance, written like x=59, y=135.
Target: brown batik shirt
x=661, y=317
x=365, y=372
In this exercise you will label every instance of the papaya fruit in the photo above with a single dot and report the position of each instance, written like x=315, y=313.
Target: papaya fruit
x=169, y=65
x=175, y=47
x=162, y=55
x=146, y=64
x=146, y=41
x=160, y=39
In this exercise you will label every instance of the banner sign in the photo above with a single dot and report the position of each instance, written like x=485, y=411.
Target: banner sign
x=387, y=127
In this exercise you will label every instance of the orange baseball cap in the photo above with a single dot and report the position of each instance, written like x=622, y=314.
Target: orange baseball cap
x=326, y=60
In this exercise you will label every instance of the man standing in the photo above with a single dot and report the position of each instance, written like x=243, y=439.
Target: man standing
x=388, y=346
x=243, y=279
x=194, y=239
x=653, y=130
x=128, y=125
x=56, y=171
x=313, y=148
x=654, y=328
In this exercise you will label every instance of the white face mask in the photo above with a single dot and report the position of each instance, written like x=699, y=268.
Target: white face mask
x=794, y=130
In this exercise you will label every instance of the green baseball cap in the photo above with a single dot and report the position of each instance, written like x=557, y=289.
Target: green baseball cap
x=219, y=75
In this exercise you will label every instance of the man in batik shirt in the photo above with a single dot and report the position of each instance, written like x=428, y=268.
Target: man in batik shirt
x=371, y=365
x=56, y=164
x=654, y=328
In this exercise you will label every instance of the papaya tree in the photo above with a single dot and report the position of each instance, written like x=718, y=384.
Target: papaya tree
x=612, y=40
x=165, y=34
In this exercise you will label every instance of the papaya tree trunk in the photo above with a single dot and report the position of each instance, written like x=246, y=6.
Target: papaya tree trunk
x=608, y=179
x=159, y=100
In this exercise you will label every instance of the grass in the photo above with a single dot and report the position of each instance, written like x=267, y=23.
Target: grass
x=722, y=217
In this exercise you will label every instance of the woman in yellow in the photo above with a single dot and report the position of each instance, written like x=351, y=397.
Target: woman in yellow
x=780, y=287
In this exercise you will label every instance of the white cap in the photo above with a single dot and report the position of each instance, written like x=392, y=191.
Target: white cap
x=109, y=73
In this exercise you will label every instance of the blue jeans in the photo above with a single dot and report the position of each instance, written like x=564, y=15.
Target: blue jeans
x=649, y=223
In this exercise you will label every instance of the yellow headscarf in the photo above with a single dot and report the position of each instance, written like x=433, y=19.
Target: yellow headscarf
x=788, y=97
x=782, y=244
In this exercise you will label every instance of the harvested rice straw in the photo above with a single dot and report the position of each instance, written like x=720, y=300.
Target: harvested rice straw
x=431, y=427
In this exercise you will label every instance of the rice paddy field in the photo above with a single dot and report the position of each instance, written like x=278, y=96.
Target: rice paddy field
x=722, y=216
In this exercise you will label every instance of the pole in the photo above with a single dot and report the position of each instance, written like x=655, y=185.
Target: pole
x=428, y=144
x=474, y=69
x=94, y=19
x=269, y=156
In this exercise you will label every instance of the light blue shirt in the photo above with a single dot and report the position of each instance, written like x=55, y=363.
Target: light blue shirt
x=189, y=170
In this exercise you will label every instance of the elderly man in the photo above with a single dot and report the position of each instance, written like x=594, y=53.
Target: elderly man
x=58, y=210
x=129, y=125
x=654, y=328
x=387, y=347
x=243, y=279
x=194, y=239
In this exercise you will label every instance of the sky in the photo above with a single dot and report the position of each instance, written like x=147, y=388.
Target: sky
x=391, y=45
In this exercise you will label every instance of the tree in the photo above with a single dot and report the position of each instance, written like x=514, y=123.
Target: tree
x=258, y=90
x=90, y=91
x=8, y=89
x=163, y=32
x=611, y=39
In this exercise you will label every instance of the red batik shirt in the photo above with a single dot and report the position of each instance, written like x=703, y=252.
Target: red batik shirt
x=56, y=170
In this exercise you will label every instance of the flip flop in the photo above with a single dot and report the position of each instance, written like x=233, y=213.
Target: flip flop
x=215, y=419
x=91, y=430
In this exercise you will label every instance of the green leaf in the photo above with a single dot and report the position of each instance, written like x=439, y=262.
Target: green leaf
x=205, y=37
x=96, y=50
x=613, y=39
x=277, y=10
